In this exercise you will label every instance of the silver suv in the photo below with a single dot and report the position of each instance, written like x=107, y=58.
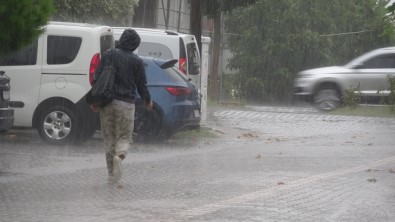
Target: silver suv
x=325, y=86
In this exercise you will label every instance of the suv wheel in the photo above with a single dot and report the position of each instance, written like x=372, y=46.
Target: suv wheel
x=327, y=99
x=57, y=125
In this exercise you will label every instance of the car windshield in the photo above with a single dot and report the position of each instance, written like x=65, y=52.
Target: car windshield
x=358, y=61
x=193, y=59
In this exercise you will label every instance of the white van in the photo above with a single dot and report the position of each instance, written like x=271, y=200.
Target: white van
x=166, y=44
x=50, y=77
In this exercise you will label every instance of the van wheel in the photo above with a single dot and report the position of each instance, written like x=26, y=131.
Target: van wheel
x=57, y=125
x=327, y=99
x=147, y=125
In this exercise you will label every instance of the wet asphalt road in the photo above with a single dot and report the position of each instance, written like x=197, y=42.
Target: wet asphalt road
x=267, y=164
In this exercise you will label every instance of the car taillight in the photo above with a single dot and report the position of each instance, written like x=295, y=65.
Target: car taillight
x=177, y=91
x=94, y=64
x=183, y=65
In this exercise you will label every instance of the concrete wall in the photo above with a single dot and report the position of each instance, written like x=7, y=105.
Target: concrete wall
x=177, y=12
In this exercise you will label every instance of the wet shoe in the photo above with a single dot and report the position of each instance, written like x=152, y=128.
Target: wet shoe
x=117, y=171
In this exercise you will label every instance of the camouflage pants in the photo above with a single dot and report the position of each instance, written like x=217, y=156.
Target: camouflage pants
x=117, y=123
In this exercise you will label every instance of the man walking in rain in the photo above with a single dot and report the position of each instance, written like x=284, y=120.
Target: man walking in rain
x=117, y=118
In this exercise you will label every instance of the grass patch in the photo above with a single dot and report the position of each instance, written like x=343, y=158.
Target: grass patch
x=369, y=111
x=203, y=132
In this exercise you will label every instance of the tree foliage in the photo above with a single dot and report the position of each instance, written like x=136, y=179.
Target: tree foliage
x=273, y=40
x=213, y=9
x=20, y=21
x=110, y=12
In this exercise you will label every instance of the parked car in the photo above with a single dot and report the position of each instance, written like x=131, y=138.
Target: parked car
x=6, y=113
x=52, y=74
x=325, y=86
x=176, y=102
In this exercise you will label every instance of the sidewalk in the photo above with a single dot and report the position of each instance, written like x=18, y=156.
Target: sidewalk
x=245, y=175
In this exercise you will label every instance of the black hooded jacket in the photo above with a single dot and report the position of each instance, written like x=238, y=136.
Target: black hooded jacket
x=130, y=68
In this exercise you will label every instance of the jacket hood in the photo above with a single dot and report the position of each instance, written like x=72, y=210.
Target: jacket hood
x=129, y=40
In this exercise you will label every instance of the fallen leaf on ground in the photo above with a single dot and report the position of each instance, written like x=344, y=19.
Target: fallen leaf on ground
x=249, y=135
x=372, y=170
x=280, y=183
x=218, y=131
x=372, y=180
x=392, y=171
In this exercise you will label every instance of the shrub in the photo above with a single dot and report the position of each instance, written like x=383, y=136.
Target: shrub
x=254, y=90
x=391, y=96
x=352, y=97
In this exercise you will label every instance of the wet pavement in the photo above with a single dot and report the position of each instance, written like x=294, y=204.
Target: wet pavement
x=267, y=164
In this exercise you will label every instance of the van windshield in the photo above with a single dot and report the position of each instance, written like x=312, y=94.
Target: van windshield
x=193, y=59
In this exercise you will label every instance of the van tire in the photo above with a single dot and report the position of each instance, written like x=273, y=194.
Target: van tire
x=57, y=125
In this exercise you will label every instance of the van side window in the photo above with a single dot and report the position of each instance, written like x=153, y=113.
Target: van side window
x=106, y=42
x=62, y=49
x=155, y=50
x=193, y=59
x=23, y=57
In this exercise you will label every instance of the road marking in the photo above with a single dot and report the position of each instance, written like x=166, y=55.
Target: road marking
x=213, y=207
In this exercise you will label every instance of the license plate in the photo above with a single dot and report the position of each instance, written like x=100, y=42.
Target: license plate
x=197, y=113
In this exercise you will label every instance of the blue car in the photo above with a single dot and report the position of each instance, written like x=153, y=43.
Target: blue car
x=176, y=102
x=176, y=105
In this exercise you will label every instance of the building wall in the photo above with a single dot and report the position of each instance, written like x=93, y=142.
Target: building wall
x=175, y=12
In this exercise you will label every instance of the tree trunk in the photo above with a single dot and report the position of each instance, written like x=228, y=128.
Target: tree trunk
x=214, y=87
x=144, y=14
x=196, y=22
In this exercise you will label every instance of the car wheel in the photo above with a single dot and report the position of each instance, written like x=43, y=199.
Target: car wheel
x=57, y=125
x=147, y=125
x=327, y=99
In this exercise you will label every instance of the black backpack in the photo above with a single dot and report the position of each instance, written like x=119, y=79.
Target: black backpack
x=102, y=91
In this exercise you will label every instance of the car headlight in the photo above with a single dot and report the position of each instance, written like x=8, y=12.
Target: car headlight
x=6, y=95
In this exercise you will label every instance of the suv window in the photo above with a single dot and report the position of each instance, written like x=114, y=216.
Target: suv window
x=380, y=62
x=62, y=49
x=193, y=59
x=106, y=42
x=25, y=56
